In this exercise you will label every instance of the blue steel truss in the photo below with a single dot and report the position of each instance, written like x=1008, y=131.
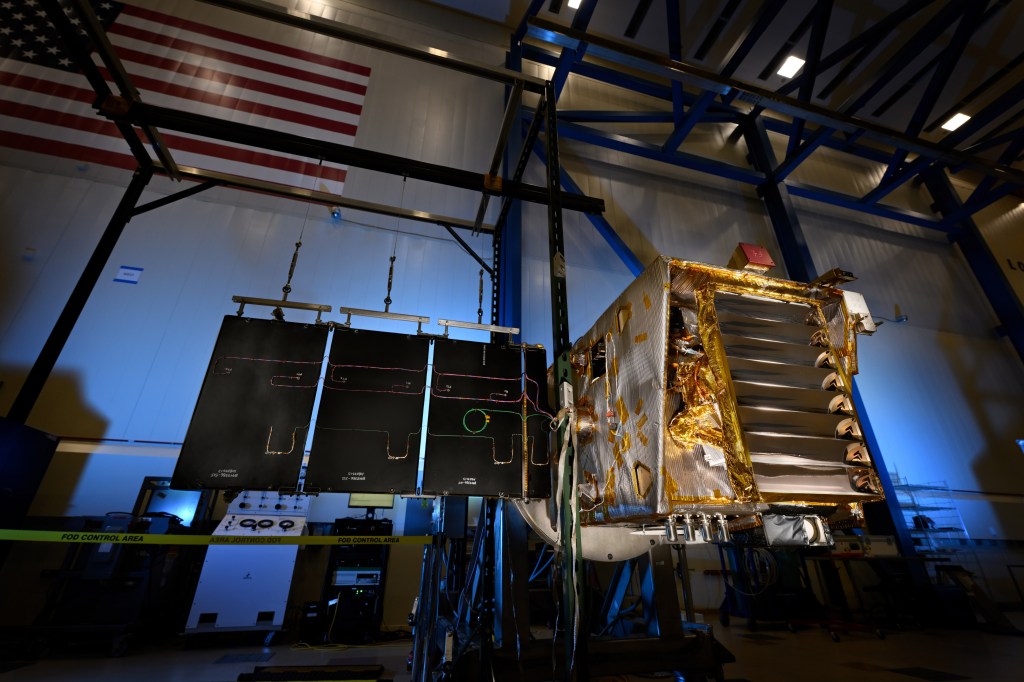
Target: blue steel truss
x=697, y=95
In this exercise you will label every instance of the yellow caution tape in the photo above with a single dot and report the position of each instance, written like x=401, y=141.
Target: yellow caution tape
x=155, y=539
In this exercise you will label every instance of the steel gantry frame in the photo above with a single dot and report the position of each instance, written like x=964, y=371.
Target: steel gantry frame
x=128, y=111
x=696, y=95
x=720, y=98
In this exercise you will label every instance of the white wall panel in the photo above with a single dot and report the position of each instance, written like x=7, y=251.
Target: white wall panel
x=139, y=351
x=925, y=275
x=1002, y=225
x=61, y=218
x=133, y=366
x=943, y=393
x=656, y=210
x=946, y=407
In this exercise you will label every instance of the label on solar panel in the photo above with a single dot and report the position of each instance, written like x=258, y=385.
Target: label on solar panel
x=367, y=434
x=487, y=424
x=250, y=424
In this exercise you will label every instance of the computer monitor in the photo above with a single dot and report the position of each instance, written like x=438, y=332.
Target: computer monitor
x=371, y=501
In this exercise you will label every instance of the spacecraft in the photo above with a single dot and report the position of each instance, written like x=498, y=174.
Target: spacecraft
x=711, y=401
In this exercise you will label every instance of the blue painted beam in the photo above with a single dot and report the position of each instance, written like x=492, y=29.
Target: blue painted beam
x=969, y=22
x=827, y=196
x=895, y=522
x=592, y=116
x=507, y=240
x=570, y=56
x=600, y=138
x=601, y=73
x=975, y=204
x=1008, y=307
x=644, y=61
x=692, y=118
x=792, y=242
x=715, y=30
x=994, y=141
x=739, y=51
x=781, y=127
x=910, y=50
x=979, y=121
x=520, y=32
x=604, y=228
x=621, y=143
x=896, y=179
x=983, y=87
x=865, y=40
x=1008, y=155
x=673, y=21
x=769, y=9
x=943, y=69
x=821, y=14
x=637, y=20
x=800, y=154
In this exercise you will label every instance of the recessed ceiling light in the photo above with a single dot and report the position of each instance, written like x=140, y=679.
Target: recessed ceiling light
x=790, y=66
x=956, y=121
x=574, y=4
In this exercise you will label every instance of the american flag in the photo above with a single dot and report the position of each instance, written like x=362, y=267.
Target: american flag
x=176, y=62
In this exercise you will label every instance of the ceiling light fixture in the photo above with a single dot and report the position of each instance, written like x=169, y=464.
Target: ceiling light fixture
x=956, y=121
x=790, y=67
x=574, y=4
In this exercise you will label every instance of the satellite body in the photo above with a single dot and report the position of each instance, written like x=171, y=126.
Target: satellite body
x=711, y=400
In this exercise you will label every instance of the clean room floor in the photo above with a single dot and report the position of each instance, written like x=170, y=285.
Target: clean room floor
x=765, y=655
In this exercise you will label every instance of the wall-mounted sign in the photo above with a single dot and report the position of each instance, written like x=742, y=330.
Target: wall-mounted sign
x=126, y=274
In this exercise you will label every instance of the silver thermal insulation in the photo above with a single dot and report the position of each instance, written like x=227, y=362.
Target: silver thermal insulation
x=620, y=400
x=705, y=388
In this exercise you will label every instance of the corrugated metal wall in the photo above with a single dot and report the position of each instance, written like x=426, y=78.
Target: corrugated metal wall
x=943, y=391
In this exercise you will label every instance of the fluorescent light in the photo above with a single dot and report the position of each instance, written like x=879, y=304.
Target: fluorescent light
x=956, y=121
x=790, y=66
x=574, y=4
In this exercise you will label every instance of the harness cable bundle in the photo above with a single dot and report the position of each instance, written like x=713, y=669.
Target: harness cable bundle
x=567, y=415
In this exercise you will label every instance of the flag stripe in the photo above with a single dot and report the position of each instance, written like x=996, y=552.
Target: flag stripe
x=187, y=66
x=253, y=157
x=257, y=43
x=305, y=67
x=45, y=87
x=64, y=119
x=235, y=80
x=190, y=145
x=26, y=80
x=302, y=85
x=239, y=105
x=235, y=58
x=30, y=143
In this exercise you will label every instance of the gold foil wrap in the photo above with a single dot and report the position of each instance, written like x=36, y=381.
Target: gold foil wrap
x=681, y=394
x=697, y=425
x=737, y=459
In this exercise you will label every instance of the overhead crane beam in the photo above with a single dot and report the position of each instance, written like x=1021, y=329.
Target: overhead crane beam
x=207, y=126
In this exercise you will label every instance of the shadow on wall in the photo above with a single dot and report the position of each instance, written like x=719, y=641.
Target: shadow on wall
x=624, y=226
x=61, y=409
x=23, y=581
x=72, y=418
x=994, y=398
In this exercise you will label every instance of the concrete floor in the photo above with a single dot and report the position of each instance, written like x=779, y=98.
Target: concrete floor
x=808, y=655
